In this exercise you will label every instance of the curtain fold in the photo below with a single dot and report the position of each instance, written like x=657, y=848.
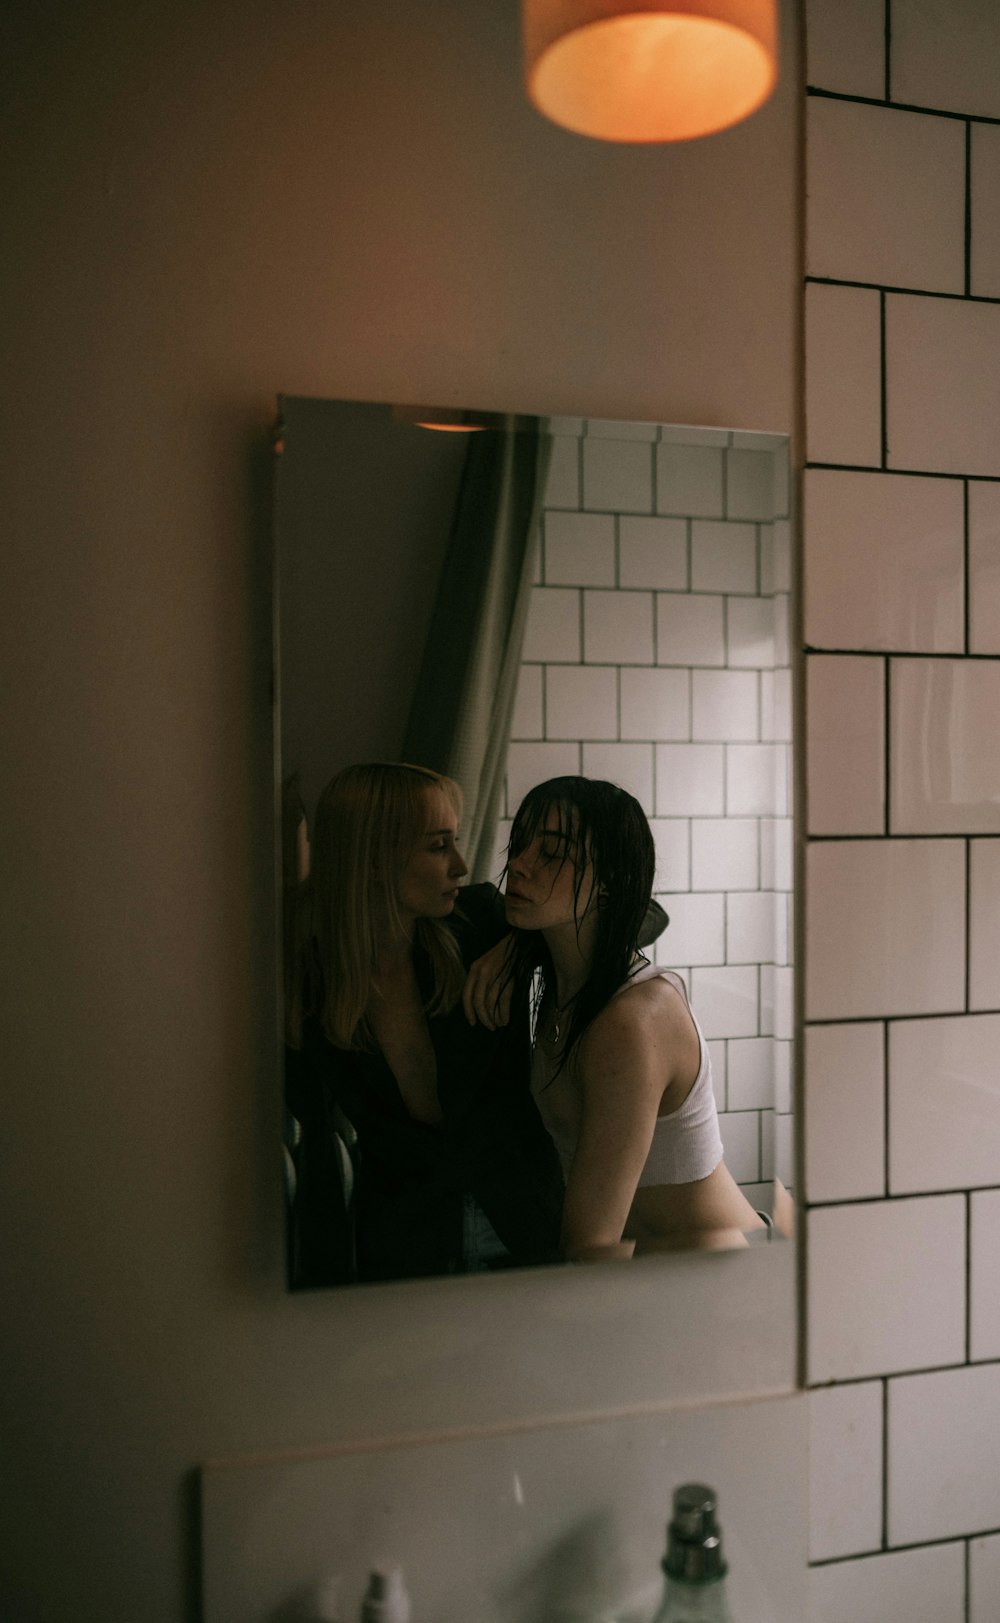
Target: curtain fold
x=460, y=718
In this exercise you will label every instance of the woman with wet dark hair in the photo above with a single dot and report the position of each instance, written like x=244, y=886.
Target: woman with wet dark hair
x=620, y=1070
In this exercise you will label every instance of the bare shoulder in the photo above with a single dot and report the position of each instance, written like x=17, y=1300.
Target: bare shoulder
x=652, y=1006
x=647, y=1023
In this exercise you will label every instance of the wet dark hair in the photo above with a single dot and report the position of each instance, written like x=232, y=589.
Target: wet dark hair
x=605, y=824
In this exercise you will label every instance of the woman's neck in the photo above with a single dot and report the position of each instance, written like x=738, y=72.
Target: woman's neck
x=571, y=948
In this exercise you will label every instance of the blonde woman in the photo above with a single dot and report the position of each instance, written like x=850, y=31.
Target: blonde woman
x=454, y=1166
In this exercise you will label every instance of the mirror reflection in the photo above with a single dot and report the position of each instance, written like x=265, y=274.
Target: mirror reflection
x=498, y=1051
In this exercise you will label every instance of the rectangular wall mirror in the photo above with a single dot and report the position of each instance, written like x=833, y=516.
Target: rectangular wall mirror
x=508, y=600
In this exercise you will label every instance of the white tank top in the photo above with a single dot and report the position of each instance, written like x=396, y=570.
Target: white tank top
x=686, y=1144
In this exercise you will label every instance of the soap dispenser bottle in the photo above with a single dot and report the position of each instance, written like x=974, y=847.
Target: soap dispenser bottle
x=695, y=1588
x=386, y=1599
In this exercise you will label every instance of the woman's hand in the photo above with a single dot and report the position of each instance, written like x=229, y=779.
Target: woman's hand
x=611, y=1251
x=487, y=992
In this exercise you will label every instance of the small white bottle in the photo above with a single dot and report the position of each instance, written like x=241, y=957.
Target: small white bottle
x=386, y=1599
x=695, y=1588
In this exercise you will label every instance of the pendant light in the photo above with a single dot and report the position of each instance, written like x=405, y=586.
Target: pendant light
x=649, y=70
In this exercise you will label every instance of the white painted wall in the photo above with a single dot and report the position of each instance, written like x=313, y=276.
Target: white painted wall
x=204, y=205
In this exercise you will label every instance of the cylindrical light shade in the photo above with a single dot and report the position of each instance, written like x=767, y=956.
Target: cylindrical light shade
x=649, y=70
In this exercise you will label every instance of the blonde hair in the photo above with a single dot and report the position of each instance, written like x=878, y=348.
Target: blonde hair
x=368, y=820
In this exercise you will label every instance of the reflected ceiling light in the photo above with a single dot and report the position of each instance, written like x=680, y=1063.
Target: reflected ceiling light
x=649, y=70
x=443, y=418
x=453, y=428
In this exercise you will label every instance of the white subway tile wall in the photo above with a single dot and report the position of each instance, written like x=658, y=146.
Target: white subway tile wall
x=901, y=543
x=723, y=555
x=653, y=552
x=845, y=717
x=886, y=196
x=886, y=1286
x=944, y=1103
x=942, y=360
x=984, y=924
x=843, y=375
x=527, y=718
x=985, y=245
x=984, y=1579
x=944, y=54
x=845, y=1469
x=844, y=1111
x=776, y=853
x=984, y=1271
x=618, y=475
x=922, y=1586
x=657, y=655
x=883, y=562
x=690, y=630
x=984, y=567
x=756, y=480
x=943, y=1443
x=618, y=626
x=578, y=549
x=945, y=761
x=690, y=479
x=655, y=703
x=885, y=928
x=846, y=46
x=751, y=627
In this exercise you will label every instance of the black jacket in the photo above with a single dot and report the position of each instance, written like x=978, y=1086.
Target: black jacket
x=410, y=1179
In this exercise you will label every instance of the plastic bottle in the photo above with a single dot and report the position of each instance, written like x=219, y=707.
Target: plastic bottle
x=695, y=1588
x=386, y=1599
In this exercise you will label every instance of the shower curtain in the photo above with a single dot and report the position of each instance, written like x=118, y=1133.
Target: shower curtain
x=460, y=719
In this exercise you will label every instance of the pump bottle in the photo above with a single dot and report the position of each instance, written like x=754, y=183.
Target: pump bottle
x=695, y=1588
x=386, y=1599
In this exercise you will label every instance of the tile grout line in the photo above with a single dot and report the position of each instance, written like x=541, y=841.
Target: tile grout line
x=899, y=1549
x=900, y=291
x=885, y=1109
x=886, y=747
x=968, y=1276
x=968, y=208
x=968, y=926
x=885, y=1462
x=896, y=1198
x=819, y=94
x=883, y=382
x=966, y=574
x=896, y=473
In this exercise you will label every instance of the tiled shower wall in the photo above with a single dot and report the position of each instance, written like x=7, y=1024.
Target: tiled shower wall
x=656, y=655
x=901, y=512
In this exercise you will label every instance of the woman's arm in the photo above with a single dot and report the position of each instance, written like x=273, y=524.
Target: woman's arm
x=623, y=1066
x=638, y=1061
x=487, y=992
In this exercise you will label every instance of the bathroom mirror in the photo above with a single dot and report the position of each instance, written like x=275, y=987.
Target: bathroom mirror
x=627, y=585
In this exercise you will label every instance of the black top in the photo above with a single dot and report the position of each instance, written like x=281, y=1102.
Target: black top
x=411, y=1179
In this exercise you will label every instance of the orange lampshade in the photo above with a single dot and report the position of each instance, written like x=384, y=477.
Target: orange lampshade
x=649, y=70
